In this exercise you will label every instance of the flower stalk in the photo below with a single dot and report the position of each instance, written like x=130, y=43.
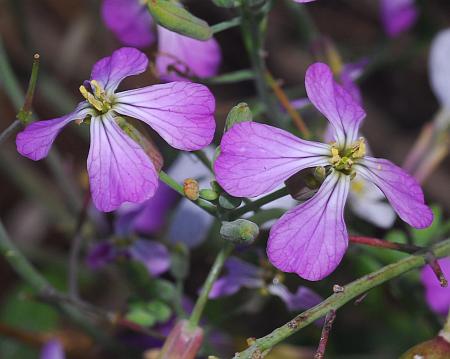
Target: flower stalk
x=350, y=291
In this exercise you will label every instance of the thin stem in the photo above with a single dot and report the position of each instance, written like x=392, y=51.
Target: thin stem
x=255, y=205
x=212, y=276
x=337, y=300
x=286, y=103
x=379, y=243
x=163, y=176
x=24, y=114
x=13, y=127
x=75, y=249
x=225, y=25
x=329, y=320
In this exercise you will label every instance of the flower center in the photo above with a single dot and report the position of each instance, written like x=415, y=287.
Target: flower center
x=343, y=160
x=96, y=96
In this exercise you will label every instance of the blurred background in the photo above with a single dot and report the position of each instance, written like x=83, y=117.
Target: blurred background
x=39, y=209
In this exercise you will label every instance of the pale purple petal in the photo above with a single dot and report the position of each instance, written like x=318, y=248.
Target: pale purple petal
x=101, y=254
x=239, y=275
x=53, y=349
x=256, y=158
x=402, y=190
x=190, y=224
x=367, y=201
x=190, y=56
x=130, y=21
x=398, y=15
x=181, y=112
x=311, y=239
x=110, y=71
x=153, y=255
x=439, y=67
x=334, y=102
x=438, y=298
x=119, y=169
x=37, y=138
x=150, y=216
x=303, y=299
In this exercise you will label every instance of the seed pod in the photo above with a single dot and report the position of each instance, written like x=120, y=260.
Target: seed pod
x=239, y=231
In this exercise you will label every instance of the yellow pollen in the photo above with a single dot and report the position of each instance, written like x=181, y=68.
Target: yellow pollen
x=357, y=186
x=91, y=98
x=98, y=99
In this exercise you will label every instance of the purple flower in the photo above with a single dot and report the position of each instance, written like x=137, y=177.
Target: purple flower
x=438, y=298
x=439, y=68
x=311, y=239
x=153, y=255
x=398, y=15
x=119, y=169
x=52, y=350
x=132, y=24
x=241, y=274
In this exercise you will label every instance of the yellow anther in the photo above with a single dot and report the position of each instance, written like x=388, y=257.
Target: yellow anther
x=335, y=158
x=98, y=90
x=359, y=149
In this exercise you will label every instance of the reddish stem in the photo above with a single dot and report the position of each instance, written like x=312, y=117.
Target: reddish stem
x=379, y=243
x=329, y=320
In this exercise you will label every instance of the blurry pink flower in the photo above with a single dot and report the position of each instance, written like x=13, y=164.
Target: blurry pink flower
x=132, y=24
x=53, y=349
x=312, y=238
x=438, y=298
x=119, y=169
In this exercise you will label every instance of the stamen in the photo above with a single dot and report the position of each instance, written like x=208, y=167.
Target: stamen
x=91, y=98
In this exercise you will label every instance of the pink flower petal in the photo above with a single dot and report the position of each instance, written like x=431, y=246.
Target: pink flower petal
x=130, y=21
x=181, y=112
x=36, y=139
x=119, y=170
x=194, y=57
x=110, y=71
x=257, y=158
x=53, y=349
x=438, y=298
x=401, y=189
x=334, y=102
x=398, y=15
x=311, y=239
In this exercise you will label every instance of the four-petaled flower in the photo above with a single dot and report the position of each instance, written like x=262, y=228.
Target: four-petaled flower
x=119, y=169
x=132, y=23
x=312, y=238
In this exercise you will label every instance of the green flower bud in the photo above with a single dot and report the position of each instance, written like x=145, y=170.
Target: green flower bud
x=229, y=202
x=437, y=348
x=239, y=231
x=174, y=17
x=208, y=194
x=239, y=113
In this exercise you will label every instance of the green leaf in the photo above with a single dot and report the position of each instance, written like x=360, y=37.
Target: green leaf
x=159, y=310
x=174, y=17
x=162, y=289
x=140, y=315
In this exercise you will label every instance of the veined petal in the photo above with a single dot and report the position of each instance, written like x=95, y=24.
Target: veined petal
x=153, y=255
x=367, y=201
x=119, y=170
x=36, y=139
x=334, y=102
x=110, y=71
x=398, y=15
x=194, y=57
x=439, y=67
x=256, y=158
x=401, y=190
x=130, y=21
x=181, y=112
x=311, y=239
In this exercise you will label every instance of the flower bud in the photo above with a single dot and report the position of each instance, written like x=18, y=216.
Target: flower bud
x=182, y=342
x=191, y=189
x=437, y=348
x=239, y=231
x=174, y=17
x=229, y=202
x=209, y=194
x=239, y=113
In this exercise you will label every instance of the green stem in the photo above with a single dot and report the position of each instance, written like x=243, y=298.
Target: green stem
x=337, y=300
x=207, y=285
x=163, y=176
x=7, y=132
x=25, y=113
x=225, y=25
x=255, y=205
